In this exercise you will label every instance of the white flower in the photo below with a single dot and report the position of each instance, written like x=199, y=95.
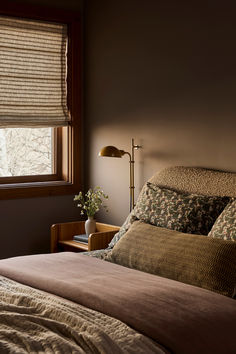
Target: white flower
x=91, y=202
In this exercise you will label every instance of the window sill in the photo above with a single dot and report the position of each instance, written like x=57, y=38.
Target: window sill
x=36, y=189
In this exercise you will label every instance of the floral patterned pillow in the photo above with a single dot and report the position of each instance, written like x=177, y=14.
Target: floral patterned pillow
x=124, y=228
x=189, y=213
x=225, y=225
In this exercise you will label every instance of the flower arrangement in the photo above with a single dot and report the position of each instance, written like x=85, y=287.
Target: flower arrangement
x=91, y=202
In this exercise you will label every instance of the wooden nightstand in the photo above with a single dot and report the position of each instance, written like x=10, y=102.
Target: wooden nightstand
x=62, y=236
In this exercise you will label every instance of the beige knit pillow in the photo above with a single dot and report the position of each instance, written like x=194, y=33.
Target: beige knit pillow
x=193, y=259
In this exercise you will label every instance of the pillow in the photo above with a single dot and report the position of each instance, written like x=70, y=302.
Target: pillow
x=123, y=229
x=190, y=213
x=225, y=225
x=193, y=259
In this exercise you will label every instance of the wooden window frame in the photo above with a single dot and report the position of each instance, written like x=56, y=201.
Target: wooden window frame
x=67, y=179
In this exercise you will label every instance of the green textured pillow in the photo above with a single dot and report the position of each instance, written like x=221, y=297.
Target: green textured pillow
x=190, y=213
x=193, y=259
x=225, y=225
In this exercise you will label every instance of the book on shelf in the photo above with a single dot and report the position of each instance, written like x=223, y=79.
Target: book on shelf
x=81, y=238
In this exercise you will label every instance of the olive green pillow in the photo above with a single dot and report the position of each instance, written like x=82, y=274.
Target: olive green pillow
x=193, y=259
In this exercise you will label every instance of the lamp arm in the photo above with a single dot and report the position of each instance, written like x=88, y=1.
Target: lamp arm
x=126, y=153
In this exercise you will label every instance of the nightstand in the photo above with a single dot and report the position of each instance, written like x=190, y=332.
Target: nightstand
x=62, y=236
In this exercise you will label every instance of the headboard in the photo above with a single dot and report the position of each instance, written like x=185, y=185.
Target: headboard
x=196, y=180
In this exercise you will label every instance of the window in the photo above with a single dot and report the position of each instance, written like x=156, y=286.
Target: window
x=39, y=103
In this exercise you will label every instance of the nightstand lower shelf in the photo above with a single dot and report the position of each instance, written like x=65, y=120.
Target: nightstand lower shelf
x=70, y=244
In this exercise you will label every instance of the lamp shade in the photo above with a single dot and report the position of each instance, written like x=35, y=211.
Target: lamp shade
x=111, y=151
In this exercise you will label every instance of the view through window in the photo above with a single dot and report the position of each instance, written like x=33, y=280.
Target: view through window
x=26, y=151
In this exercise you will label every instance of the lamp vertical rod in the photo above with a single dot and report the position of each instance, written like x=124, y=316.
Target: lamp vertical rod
x=131, y=181
x=132, y=176
x=133, y=147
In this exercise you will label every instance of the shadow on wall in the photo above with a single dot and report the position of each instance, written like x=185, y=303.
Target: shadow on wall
x=152, y=155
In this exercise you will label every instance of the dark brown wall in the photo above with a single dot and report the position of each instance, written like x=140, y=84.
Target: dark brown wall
x=25, y=223
x=164, y=73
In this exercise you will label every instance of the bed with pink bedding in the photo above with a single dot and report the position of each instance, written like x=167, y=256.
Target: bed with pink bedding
x=170, y=291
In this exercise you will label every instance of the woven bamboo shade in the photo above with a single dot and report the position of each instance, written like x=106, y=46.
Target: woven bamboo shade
x=33, y=72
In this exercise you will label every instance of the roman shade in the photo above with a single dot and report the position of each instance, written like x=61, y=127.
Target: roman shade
x=33, y=73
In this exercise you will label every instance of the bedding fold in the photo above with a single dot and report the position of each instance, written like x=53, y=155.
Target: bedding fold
x=180, y=317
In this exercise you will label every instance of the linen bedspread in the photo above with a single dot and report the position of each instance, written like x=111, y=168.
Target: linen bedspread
x=180, y=317
x=33, y=321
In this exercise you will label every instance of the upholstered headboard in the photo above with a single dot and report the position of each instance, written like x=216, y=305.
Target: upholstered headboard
x=197, y=180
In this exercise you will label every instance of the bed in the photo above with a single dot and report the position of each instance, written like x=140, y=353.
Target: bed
x=165, y=284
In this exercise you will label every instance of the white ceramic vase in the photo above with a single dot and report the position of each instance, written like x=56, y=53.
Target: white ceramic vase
x=90, y=225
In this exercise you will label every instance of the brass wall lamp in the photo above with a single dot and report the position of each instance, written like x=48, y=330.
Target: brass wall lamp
x=112, y=151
